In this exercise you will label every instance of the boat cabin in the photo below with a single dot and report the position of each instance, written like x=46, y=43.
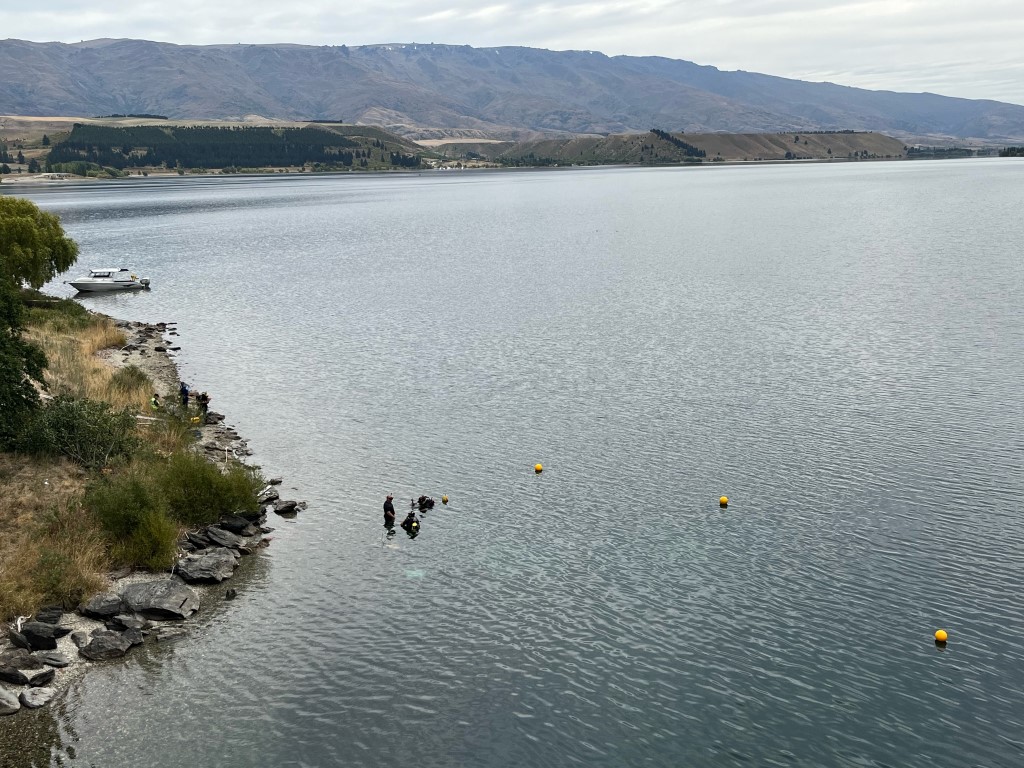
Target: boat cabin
x=112, y=274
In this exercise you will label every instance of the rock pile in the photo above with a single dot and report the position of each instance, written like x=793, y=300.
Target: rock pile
x=139, y=612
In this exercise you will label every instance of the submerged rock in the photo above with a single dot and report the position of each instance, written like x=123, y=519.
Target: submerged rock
x=168, y=634
x=162, y=599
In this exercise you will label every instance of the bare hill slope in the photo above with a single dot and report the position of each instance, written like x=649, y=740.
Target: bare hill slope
x=428, y=91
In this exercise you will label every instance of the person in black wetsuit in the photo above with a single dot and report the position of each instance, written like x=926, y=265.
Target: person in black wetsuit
x=389, y=513
x=411, y=524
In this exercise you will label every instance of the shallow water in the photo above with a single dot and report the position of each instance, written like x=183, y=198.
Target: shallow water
x=838, y=348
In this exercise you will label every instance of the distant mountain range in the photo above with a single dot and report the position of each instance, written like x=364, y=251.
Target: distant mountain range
x=439, y=91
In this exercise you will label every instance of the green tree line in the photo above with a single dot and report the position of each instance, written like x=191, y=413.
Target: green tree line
x=688, y=149
x=212, y=147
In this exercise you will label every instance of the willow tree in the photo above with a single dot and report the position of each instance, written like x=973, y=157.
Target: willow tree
x=33, y=246
x=33, y=250
x=21, y=363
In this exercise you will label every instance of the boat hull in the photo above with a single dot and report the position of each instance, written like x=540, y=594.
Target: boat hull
x=91, y=286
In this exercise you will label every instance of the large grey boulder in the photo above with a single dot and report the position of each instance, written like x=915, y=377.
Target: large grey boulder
x=235, y=524
x=34, y=698
x=223, y=538
x=9, y=703
x=212, y=566
x=103, y=606
x=42, y=636
x=167, y=599
x=106, y=645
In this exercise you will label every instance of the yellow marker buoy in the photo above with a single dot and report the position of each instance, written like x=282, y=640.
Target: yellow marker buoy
x=941, y=636
x=444, y=499
x=723, y=501
x=538, y=468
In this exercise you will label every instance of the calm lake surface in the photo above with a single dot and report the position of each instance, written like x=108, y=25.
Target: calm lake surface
x=837, y=348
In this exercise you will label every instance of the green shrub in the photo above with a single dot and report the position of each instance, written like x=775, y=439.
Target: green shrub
x=133, y=515
x=129, y=379
x=198, y=493
x=89, y=433
x=153, y=544
x=60, y=314
x=120, y=503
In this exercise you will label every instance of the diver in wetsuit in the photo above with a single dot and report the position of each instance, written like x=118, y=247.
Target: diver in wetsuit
x=389, y=513
x=411, y=524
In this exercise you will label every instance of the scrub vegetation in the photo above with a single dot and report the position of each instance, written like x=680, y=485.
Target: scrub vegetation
x=93, y=478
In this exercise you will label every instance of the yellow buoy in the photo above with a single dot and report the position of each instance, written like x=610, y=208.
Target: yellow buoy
x=538, y=468
x=723, y=501
x=444, y=499
x=941, y=636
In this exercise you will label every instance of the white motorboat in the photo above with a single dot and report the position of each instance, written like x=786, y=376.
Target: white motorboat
x=113, y=279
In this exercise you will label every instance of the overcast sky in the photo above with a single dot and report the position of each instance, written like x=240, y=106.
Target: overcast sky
x=974, y=50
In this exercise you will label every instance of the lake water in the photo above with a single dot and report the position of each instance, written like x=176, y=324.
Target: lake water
x=837, y=348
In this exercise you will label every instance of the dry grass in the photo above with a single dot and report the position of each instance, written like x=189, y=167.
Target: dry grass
x=74, y=369
x=51, y=551
x=167, y=434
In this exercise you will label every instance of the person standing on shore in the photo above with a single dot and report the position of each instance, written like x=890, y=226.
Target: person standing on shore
x=389, y=512
x=204, y=403
x=183, y=389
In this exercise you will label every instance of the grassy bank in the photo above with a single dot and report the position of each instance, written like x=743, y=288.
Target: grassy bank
x=99, y=479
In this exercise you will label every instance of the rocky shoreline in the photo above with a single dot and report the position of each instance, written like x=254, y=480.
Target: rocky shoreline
x=39, y=653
